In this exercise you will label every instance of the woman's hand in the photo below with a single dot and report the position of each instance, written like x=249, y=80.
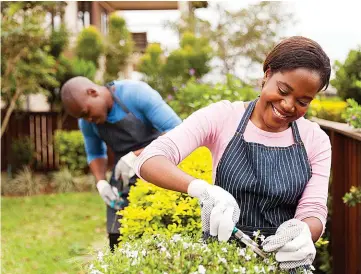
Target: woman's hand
x=219, y=209
x=293, y=243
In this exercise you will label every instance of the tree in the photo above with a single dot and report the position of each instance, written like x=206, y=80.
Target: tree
x=89, y=45
x=244, y=35
x=27, y=65
x=348, y=76
x=118, y=48
x=168, y=73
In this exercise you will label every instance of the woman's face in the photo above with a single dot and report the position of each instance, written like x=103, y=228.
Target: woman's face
x=285, y=97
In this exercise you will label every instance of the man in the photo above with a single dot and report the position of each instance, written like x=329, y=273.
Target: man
x=125, y=115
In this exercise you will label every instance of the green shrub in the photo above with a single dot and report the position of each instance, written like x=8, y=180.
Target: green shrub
x=352, y=114
x=70, y=146
x=165, y=73
x=81, y=67
x=89, y=45
x=327, y=109
x=59, y=40
x=182, y=254
x=348, y=77
x=156, y=210
x=194, y=95
x=119, y=47
x=22, y=153
x=353, y=197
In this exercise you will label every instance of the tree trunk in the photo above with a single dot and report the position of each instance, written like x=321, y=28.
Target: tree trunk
x=9, y=111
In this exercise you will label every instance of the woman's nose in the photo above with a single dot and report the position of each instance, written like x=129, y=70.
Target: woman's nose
x=288, y=105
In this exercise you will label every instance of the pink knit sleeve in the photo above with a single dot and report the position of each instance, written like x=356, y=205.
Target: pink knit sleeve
x=199, y=129
x=313, y=202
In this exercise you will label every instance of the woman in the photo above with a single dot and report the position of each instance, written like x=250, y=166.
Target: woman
x=271, y=166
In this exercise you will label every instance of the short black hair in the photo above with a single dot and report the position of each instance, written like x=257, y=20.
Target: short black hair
x=299, y=52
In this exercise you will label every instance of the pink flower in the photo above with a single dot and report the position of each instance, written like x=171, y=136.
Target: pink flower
x=192, y=71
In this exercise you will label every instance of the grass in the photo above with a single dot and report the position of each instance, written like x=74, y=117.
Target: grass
x=50, y=233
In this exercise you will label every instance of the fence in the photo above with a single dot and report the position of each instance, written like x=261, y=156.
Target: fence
x=40, y=127
x=346, y=221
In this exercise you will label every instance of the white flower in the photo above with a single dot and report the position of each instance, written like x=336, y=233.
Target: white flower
x=266, y=261
x=134, y=262
x=255, y=233
x=167, y=254
x=247, y=257
x=91, y=267
x=262, y=237
x=105, y=267
x=95, y=271
x=144, y=252
x=100, y=256
x=176, y=238
x=235, y=270
x=271, y=268
x=224, y=249
x=201, y=269
x=256, y=269
x=241, y=252
x=243, y=270
x=163, y=249
x=223, y=260
x=186, y=245
x=254, y=255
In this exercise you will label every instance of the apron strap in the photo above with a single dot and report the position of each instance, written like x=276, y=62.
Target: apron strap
x=247, y=114
x=110, y=87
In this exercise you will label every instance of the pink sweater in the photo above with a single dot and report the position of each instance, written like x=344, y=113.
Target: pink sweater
x=215, y=125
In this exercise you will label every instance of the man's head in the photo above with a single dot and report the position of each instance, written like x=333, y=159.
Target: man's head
x=84, y=99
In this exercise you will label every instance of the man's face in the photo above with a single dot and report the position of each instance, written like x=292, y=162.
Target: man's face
x=286, y=97
x=90, y=106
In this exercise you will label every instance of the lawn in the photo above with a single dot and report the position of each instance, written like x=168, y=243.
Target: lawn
x=51, y=233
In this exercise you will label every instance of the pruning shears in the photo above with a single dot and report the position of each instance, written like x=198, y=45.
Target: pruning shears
x=117, y=203
x=244, y=238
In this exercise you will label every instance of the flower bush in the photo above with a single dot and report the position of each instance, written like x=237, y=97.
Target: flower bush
x=352, y=114
x=154, y=210
x=328, y=109
x=182, y=254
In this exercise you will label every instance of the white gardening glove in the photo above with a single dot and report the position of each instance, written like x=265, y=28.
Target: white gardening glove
x=109, y=194
x=124, y=168
x=219, y=209
x=293, y=243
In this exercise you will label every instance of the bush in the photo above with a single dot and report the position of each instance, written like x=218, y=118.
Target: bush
x=59, y=40
x=22, y=153
x=353, y=197
x=70, y=146
x=176, y=254
x=352, y=114
x=190, y=60
x=89, y=45
x=348, y=77
x=194, y=95
x=156, y=210
x=65, y=181
x=327, y=109
x=119, y=46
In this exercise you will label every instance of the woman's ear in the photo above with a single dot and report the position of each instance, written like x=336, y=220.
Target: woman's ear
x=266, y=76
x=92, y=92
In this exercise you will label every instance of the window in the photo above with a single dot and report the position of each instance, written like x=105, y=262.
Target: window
x=84, y=14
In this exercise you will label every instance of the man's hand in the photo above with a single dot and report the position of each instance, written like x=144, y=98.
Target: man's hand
x=293, y=243
x=109, y=194
x=124, y=168
x=220, y=211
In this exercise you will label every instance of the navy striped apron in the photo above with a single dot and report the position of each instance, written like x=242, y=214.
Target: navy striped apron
x=267, y=182
x=124, y=136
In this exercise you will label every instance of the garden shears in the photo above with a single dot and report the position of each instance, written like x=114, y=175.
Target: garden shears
x=244, y=238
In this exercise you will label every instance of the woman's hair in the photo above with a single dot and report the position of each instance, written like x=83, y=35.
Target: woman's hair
x=299, y=52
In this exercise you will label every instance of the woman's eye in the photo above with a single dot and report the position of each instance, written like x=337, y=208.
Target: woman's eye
x=304, y=104
x=282, y=92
